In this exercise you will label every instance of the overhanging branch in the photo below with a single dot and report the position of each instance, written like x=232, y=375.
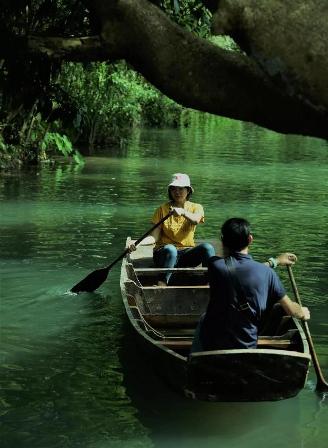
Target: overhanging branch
x=71, y=49
x=200, y=75
x=190, y=70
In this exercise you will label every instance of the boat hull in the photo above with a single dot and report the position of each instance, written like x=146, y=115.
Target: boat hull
x=246, y=375
x=163, y=330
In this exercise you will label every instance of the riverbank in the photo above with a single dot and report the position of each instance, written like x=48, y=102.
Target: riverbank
x=87, y=107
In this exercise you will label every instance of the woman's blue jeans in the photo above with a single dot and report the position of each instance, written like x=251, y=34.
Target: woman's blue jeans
x=170, y=257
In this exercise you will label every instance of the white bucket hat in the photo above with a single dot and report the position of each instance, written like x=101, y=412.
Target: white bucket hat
x=181, y=180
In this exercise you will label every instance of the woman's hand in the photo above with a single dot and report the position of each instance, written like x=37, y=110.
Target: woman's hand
x=131, y=246
x=194, y=218
x=178, y=211
x=149, y=240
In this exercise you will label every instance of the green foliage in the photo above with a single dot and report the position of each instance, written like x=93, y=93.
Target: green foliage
x=60, y=143
x=57, y=141
x=35, y=144
x=2, y=144
x=103, y=99
x=225, y=42
x=22, y=17
x=10, y=155
x=46, y=105
x=191, y=14
x=109, y=100
x=158, y=110
x=91, y=105
x=37, y=139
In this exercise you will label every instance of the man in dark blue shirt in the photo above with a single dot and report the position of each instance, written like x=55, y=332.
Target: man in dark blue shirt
x=240, y=289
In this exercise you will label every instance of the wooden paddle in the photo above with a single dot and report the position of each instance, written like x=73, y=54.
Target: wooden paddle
x=92, y=281
x=322, y=385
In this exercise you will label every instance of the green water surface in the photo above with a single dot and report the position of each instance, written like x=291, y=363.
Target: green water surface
x=70, y=376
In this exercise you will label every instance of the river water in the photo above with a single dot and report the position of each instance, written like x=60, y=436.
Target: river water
x=70, y=376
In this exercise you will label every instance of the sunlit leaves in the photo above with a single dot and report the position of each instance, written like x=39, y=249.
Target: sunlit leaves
x=110, y=99
x=191, y=14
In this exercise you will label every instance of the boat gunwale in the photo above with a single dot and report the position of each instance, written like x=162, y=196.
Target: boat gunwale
x=159, y=343
x=135, y=322
x=292, y=353
x=153, y=344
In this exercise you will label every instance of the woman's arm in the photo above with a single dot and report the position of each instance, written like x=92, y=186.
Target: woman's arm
x=150, y=239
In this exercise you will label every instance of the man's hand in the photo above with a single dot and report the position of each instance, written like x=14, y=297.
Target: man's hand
x=306, y=313
x=286, y=259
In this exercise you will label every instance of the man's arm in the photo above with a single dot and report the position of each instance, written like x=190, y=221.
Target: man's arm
x=294, y=309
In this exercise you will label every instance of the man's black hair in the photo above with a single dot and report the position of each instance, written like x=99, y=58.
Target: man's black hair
x=235, y=233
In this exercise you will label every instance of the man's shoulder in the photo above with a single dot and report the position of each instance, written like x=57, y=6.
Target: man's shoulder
x=257, y=265
x=261, y=270
x=216, y=261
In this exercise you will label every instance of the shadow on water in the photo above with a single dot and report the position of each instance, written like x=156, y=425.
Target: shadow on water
x=175, y=421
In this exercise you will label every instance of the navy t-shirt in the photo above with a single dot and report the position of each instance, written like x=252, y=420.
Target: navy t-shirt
x=224, y=326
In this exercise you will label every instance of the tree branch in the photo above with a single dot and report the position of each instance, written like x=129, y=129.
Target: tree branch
x=190, y=70
x=286, y=39
x=71, y=49
x=200, y=75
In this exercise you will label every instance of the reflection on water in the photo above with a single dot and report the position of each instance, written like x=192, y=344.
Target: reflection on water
x=178, y=422
x=63, y=384
x=71, y=376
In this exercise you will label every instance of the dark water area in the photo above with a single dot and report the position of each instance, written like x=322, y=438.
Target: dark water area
x=70, y=373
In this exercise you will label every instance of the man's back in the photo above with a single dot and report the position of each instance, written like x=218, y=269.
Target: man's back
x=225, y=325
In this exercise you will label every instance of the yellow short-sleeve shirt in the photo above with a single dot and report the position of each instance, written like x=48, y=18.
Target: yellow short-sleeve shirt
x=177, y=230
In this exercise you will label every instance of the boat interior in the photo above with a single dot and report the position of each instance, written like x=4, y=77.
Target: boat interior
x=169, y=315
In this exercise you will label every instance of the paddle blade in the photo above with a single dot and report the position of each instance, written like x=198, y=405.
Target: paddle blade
x=92, y=281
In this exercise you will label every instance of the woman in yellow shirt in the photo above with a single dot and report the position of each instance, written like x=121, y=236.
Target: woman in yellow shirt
x=174, y=239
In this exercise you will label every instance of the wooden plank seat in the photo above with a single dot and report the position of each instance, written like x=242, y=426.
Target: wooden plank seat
x=154, y=271
x=263, y=342
x=146, y=262
x=175, y=287
x=187, y=277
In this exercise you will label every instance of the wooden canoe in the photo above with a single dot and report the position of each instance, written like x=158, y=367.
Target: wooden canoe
x=164, y=320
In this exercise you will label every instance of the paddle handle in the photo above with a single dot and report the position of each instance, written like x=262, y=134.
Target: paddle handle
x=322, y=385
x=120, y=257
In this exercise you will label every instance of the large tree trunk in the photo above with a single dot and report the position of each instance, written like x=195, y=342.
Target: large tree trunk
x=278, y=84
x=202, y=76
x=287, y=39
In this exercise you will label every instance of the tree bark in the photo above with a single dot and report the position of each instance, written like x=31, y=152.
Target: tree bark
x=287, y=39
x=72, y=49
x=200, y=75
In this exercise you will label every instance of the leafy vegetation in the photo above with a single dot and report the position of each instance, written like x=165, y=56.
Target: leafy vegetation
x=48, y=108
x=108, y=100
x=191, y=14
